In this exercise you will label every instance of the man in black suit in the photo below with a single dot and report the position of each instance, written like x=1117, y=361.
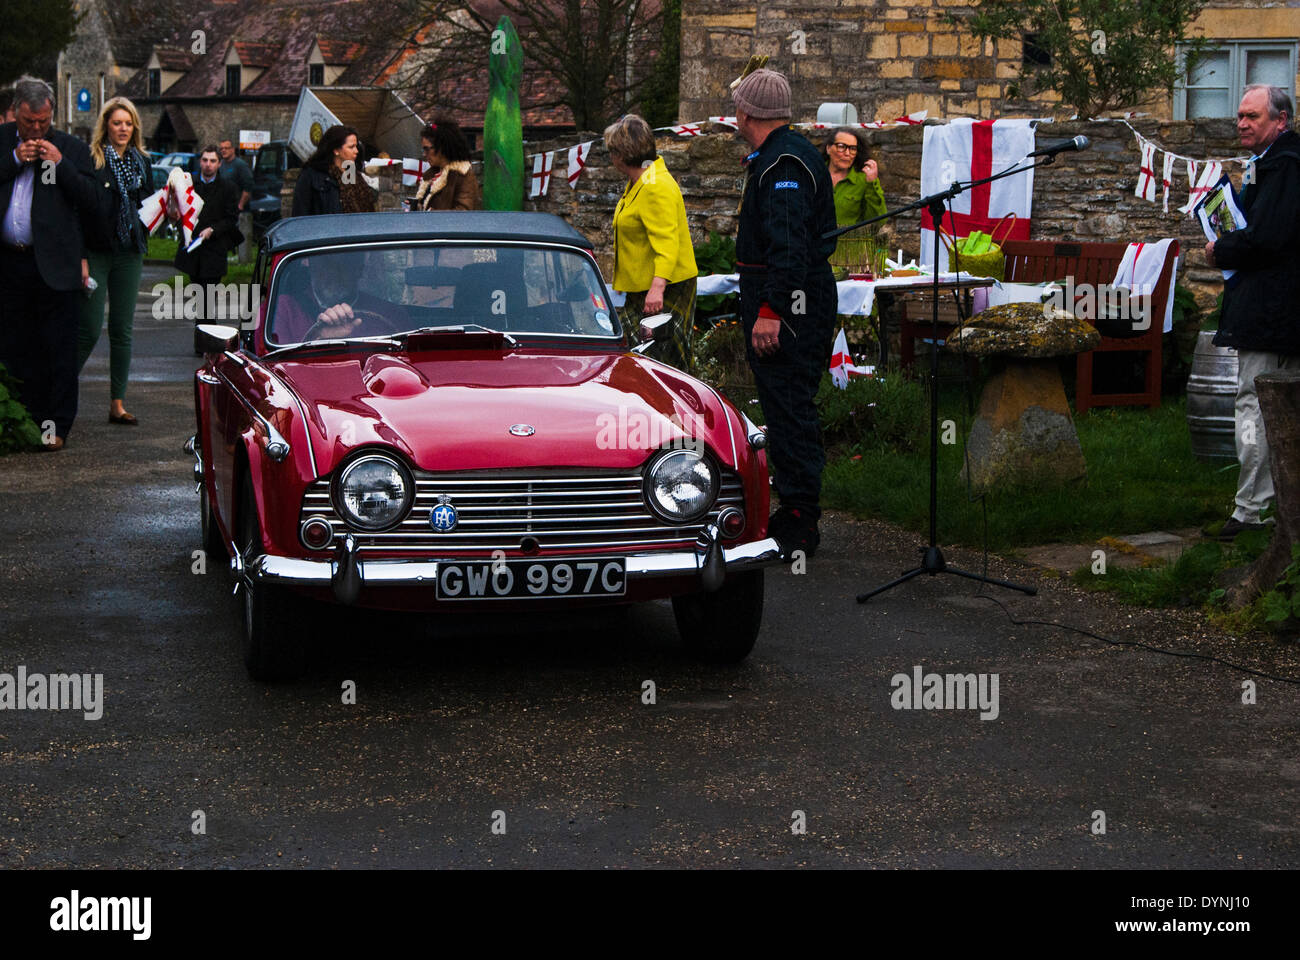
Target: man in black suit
x=46, y=178
x=218, y=225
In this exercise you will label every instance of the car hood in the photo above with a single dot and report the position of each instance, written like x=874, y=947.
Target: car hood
x=473, y=411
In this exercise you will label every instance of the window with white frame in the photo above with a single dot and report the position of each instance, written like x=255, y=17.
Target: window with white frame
x=1214, y=85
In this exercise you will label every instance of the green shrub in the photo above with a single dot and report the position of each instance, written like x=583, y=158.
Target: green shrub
x=873, y=413
x=720, y=359
x=715, y=254
x=17, y=429
x=1282, y=603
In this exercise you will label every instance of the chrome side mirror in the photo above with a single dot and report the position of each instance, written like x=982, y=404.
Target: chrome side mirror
x=655, y=327
x=217, y=338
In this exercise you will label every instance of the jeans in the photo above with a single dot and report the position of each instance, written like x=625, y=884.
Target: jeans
x=118, y=276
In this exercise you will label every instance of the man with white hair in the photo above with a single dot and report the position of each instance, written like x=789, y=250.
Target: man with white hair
x=46, y=179
x=1261, y=302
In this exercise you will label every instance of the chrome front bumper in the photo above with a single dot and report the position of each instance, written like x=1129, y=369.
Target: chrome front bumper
x=347, y=572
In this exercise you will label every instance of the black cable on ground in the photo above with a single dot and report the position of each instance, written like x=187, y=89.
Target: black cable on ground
x=1139, y=643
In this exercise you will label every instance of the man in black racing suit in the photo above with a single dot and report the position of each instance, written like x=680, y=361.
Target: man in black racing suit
x=787, y=296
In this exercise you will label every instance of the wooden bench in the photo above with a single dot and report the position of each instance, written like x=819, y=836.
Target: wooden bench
x=1039, y=261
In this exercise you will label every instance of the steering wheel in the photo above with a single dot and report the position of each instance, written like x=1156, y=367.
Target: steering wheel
x=368, y=319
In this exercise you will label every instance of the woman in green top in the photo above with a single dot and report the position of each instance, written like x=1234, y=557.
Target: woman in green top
x=858, y=195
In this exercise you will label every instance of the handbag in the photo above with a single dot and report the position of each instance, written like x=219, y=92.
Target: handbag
x=979, y=254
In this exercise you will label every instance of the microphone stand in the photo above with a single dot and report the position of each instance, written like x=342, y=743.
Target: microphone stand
x=932, y=562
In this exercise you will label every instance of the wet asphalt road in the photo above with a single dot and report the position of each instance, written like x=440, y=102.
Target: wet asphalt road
x=543, y=719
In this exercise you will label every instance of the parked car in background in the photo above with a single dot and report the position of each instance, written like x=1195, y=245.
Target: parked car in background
x=477, y=436
x=273, y=161
x=160, y=175
x=186, y=161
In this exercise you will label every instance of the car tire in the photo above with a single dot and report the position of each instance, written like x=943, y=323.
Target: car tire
x=721, y=627
x=273, y=647
x=213, y=546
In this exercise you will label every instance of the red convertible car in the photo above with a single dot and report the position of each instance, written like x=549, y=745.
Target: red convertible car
x=441, y=412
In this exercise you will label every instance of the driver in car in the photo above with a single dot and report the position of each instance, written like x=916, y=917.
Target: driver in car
x=333, y=306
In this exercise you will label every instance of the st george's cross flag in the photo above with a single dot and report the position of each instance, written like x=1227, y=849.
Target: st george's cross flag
x=1211, y=171
x=842, y=366
x=1167, y=181
x=965, y=149
x=153, y=210
x=1146, y=182
x=577, y=160
x=541, y=179
x=187, y=203
x=412, y=171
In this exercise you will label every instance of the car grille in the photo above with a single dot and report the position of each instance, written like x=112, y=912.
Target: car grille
x=497, y=511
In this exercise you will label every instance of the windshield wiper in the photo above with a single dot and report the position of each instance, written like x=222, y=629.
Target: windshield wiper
x=336, y=342
x=460, y=328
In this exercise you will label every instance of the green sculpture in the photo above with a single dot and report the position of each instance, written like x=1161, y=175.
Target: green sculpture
x=503, y=130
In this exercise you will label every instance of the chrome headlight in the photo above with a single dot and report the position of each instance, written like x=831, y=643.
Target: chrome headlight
x=374, y=493
x=681, y=485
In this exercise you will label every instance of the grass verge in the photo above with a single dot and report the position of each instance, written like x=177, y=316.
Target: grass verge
x=1142, y=476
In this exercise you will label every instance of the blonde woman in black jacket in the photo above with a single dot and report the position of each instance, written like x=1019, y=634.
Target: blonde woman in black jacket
x=116, y=242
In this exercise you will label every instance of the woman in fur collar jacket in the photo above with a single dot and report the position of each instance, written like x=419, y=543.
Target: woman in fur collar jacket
x=449, y=183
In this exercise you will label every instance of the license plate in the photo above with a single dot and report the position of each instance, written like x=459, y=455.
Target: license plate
x=524, y=579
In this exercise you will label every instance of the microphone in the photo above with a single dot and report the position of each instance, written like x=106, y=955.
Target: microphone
x=1052, y=149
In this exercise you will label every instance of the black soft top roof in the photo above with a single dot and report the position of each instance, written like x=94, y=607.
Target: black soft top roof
x=295, y=233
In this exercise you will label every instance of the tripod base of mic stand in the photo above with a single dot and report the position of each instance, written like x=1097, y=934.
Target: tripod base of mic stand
x=934, y=564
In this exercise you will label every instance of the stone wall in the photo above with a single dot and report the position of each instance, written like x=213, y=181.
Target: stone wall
x=889, y=57
x=886, y=57
x=1082, y=196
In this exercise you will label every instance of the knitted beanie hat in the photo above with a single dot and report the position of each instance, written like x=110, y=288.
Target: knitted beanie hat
x=764, y=95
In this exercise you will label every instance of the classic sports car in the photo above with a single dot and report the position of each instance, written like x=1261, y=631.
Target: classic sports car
x=440, y=411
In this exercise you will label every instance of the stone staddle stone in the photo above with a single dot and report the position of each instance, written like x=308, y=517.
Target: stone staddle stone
x=1023, y=434
x=1025, y=330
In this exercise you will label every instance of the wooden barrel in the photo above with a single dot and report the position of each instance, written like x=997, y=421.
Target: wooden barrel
x=1211, y=394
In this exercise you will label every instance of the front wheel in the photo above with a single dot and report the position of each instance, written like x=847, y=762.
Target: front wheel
x=721, y=627
x=273, y=648
x=213, y=545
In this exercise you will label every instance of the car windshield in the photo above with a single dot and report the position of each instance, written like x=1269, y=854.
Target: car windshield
x=268, y=161
x=381, y=291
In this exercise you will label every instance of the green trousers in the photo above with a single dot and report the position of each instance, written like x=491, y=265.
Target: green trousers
x=679, y=300
x=118, y=276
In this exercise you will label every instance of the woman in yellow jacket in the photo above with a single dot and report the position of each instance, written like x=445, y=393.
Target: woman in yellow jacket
x=654, y=262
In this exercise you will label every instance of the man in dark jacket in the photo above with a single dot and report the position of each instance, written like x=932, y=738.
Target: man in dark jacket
x=787, y=296
x=46, y=180
x=218, y=226
x=1261, y=302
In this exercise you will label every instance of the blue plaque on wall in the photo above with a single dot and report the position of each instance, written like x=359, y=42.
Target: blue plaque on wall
x=83, y=100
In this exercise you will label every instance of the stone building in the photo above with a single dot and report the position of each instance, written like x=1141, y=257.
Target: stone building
x=199, y=72
x=889, y=57
x=202, y=72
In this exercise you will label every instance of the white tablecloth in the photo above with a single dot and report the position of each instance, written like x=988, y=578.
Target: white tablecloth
x=856, y=296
